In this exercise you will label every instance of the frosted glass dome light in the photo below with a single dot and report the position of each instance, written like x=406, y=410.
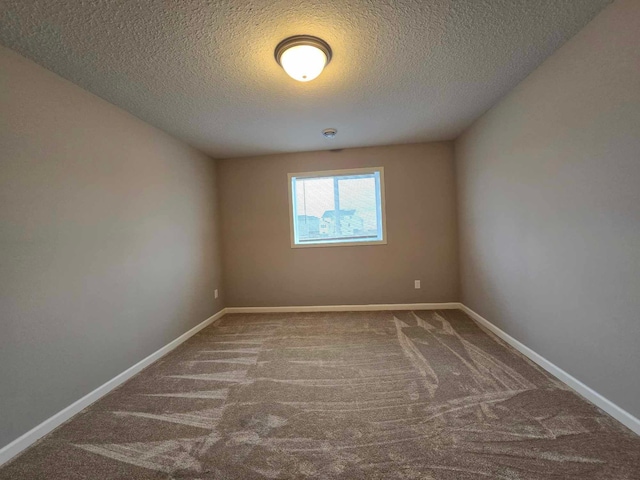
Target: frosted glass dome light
x=303, y=62
x=303, y=57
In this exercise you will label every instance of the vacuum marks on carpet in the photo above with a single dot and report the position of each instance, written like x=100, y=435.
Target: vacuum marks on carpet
x=371, y=395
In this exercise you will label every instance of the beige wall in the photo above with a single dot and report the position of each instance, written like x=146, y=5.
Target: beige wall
x=108, y=242
x=549, y=208
x=261, y=268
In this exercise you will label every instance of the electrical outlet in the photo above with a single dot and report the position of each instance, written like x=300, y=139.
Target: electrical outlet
x=215, y=293
x=416, y=284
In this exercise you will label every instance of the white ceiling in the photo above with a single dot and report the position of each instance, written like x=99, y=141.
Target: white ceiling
x=403, y=71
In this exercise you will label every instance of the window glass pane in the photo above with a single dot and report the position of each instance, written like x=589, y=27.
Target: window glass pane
x=358, y=198
x=337, y=208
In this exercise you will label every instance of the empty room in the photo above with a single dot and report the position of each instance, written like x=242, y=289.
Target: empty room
x=352, y=239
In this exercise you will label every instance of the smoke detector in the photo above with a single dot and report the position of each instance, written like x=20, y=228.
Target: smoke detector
x=329, y=132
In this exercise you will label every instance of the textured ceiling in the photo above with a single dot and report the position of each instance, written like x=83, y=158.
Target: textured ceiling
x=403, y=71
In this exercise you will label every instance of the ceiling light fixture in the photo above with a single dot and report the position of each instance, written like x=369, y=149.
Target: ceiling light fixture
x=303, y=57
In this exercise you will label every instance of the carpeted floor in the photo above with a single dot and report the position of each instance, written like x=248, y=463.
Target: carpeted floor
x=360, y=395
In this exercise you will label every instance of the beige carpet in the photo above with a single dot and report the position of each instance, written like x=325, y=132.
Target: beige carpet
x=368, y=395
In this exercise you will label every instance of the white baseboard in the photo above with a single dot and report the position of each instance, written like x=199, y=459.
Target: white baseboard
x=346, y=308
x=588, y=393
x=21, y=443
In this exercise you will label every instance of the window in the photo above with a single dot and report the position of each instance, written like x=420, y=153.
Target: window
x=340, y=207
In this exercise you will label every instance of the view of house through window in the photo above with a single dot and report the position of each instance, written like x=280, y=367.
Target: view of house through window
x=338, y=207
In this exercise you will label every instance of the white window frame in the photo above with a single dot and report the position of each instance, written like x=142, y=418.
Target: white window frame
x=333, y=173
